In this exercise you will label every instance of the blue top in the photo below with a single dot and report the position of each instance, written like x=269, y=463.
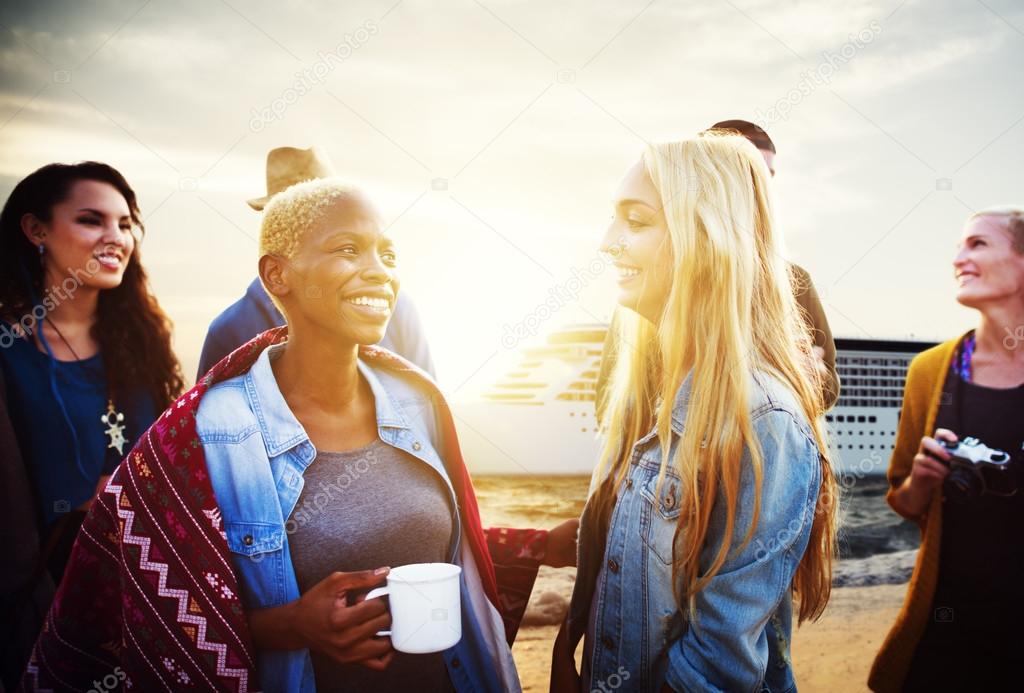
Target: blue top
x=47, y=444
x=255, y=313
x=625, y=594
x=256, y=454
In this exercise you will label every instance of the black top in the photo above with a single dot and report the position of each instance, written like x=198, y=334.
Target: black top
x=981, y=569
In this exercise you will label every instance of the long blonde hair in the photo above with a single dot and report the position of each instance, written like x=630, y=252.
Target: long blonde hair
x=730, y=312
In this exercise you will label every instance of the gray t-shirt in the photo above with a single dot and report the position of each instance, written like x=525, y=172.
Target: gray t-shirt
x=359, y=510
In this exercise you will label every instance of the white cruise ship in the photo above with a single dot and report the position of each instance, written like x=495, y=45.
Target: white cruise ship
x=538, y=418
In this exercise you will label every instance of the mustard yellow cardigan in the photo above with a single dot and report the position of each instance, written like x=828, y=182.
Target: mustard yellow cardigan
x=921, y=396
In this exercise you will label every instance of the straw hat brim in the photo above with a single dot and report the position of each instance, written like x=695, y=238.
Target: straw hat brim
x=258, y=203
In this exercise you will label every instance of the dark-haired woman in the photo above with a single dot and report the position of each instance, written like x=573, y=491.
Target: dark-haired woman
x=86, y=358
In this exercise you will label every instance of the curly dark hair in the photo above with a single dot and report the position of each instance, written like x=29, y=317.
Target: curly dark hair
x=131, y=329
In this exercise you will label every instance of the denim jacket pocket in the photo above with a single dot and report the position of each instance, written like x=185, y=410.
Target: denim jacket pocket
x=252, y=539
x=659, y=513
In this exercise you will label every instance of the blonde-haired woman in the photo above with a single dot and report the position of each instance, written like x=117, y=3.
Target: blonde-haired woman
x=960, y=624
x=713, y=501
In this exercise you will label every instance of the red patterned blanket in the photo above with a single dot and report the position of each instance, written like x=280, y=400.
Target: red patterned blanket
x=150, y=597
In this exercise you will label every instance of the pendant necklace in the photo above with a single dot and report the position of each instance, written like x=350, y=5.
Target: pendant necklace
x=112, y=419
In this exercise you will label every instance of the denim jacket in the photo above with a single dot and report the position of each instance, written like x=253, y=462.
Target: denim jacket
x=637, y=636
x=256, y=452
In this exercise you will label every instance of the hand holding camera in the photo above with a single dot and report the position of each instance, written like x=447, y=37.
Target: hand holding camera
x=931, y=463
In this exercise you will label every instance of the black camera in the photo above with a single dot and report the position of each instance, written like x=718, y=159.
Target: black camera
x=970, y=460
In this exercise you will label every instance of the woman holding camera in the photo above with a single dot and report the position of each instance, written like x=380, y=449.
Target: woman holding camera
x=236, y=543
x=713, y=503
x=958, y=471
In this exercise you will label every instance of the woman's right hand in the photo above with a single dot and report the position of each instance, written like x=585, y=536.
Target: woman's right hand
x=927, y=472
x=322, y=620
x=326, y=623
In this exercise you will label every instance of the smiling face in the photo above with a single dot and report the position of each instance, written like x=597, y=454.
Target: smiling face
x=988, y=268
x=88, y=237
x=341, y=280
x=638, y=240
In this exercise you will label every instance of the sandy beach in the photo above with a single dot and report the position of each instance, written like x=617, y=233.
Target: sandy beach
x=832, y=655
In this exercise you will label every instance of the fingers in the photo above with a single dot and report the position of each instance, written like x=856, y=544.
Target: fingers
x=344, y=618
x=935, y=449
x=945, y=434
x=379, y=663
x=361, y=631
x=929, y=468
x=362, y=580
x=373, y=649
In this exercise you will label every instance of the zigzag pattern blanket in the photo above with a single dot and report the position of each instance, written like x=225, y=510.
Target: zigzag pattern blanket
x=150, y=597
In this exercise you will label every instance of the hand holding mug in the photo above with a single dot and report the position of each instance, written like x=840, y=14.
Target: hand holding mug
x=325, y=621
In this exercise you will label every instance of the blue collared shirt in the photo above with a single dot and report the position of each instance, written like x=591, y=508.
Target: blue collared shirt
x=256, y=453
x=637, y=636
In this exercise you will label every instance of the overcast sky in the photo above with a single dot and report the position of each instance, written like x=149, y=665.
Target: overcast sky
x=493, y=133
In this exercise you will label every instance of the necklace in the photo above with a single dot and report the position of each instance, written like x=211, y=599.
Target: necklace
x=112, y=419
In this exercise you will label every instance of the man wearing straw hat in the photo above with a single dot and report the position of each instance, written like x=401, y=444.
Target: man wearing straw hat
x=255, y=313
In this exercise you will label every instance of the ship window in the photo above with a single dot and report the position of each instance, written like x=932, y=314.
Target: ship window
x=861, y=419
x=840, y=418
x=828, y=417
x=872, y=419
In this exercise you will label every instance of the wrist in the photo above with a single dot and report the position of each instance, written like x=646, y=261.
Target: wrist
x=916, y=496
x=291, y=623
x=541, y=550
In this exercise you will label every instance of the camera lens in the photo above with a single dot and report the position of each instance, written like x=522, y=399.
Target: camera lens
x=963, y=484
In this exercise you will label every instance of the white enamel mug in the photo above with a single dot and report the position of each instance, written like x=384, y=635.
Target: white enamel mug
x=426, y=614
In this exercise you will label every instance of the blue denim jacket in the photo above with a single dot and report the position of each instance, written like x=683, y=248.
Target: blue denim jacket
x=256, y=452
x=637, y=635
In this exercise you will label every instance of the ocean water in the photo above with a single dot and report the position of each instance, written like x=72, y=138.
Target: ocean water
x=868, y=527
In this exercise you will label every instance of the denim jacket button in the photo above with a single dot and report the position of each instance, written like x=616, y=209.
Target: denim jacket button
x=247, y=540
x=629, y=483
x=608, y=642
x=416, y=446
x=613, y=565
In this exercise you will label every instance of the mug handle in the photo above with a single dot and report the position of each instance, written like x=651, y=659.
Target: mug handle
x=374, y=594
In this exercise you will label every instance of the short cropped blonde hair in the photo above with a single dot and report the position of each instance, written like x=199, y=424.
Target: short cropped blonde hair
x=1014, y=216
x=297, y=209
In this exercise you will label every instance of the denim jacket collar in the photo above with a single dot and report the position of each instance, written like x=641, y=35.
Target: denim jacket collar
x=281, y=430
x=681, y=403
x=678, y=418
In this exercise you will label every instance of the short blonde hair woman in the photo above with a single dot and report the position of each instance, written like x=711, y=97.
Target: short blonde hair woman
x=713, y=453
